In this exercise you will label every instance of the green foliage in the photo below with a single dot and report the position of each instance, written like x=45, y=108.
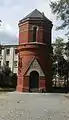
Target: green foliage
x=59, y=46
x=7, y=77
x=61, y=9
x=67, y=49
x=60, y=65
x=54, y=69
x=58, y=51
x=6, y=70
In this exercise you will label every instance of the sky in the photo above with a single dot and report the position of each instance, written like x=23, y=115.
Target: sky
x=11, y=11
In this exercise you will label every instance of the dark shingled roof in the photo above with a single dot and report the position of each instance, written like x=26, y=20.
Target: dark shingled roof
x=35, y=15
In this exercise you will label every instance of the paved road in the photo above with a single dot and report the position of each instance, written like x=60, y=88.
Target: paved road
x=24, y=106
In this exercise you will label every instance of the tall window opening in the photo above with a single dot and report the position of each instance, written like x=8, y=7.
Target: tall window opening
x=15, y=51
x=34, y=33
x=7, y=51
x=0, y=52
x=7, y=63
x=0, y=63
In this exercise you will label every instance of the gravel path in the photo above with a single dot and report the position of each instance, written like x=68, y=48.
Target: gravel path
x=25, y=106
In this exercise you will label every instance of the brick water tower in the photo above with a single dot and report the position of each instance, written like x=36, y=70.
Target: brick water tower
x=35, y=64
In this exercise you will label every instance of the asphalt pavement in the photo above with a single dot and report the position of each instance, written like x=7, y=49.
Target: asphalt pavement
x=34, y=106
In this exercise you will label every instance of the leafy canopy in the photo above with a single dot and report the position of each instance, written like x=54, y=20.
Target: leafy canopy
x=59, y=47
x=61, y=9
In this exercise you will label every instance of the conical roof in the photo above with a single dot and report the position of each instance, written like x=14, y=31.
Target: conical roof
x=35, y=15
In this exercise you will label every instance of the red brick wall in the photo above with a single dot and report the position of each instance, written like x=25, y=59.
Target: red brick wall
x=23, y=33
x=28, y=51
x=26, y=32
x=42, y=83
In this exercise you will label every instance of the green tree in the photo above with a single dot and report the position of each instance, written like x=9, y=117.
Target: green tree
x=6, y=70
x=67, y=50
x=58, y=59
x=60, y=65
x=59, y=47
x=61, y=9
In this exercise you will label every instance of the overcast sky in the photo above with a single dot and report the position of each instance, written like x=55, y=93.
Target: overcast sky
x=11, y=11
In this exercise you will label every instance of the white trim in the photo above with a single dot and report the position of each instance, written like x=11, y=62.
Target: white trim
x=35, y=66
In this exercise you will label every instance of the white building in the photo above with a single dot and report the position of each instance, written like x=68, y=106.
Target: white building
x=9, y=57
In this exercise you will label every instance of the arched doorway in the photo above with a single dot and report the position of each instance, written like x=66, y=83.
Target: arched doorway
x=33, y=80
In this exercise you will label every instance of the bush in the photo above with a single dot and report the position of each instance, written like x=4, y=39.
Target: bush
x=7, y=77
